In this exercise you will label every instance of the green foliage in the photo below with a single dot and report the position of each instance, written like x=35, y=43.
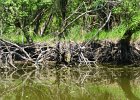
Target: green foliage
x=38, y=18
x=115, y=34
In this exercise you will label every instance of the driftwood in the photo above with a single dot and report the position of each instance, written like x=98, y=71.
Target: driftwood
x=67, y=53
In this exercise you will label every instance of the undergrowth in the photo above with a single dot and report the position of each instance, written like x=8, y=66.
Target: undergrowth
x=76, y=34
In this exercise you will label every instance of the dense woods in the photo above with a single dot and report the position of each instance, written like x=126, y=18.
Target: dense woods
x=69, y=49
x=61, y=18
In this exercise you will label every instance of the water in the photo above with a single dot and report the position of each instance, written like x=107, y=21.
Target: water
x=70, y=83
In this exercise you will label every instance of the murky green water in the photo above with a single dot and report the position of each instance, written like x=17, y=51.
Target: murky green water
x=70, y=83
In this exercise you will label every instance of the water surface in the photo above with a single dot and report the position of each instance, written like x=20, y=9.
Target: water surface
x=70, y=83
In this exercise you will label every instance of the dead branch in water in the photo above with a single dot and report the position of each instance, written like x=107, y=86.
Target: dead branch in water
x=67, y=53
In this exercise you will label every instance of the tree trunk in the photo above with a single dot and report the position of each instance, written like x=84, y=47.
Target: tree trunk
x=125, y=44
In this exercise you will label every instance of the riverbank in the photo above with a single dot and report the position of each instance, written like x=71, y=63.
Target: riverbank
x=70, y=53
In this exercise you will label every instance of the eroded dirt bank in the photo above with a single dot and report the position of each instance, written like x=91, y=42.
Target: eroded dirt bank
x=70, y=53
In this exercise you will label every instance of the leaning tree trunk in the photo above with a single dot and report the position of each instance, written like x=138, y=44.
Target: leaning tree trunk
x=125, y=44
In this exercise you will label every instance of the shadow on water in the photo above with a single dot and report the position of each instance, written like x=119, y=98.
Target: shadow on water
x=43, y=84
x=124, y=82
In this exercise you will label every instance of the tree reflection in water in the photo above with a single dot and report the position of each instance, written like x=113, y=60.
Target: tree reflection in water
x=28, y=89
x=123, y=80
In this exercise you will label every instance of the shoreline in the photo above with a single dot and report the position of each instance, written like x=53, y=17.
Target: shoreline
x=69, y=53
